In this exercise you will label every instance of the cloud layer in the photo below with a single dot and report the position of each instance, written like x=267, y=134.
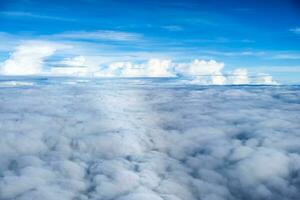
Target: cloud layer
x=148, y=139
x=28, y=59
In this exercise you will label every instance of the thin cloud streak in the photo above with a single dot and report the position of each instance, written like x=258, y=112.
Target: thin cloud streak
x=295, y=30
x=99, y=35
x=21, y=14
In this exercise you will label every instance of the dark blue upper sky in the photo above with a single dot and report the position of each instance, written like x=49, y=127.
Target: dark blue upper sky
x=256, y=34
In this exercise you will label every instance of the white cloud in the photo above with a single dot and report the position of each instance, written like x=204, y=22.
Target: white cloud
x=200, y=67
x=239, y=76
x=264, y=79
x=159, y=68
x=152, y=68
x=208, y=72
x=28, y=58
x=116, y=139
x=33, y=15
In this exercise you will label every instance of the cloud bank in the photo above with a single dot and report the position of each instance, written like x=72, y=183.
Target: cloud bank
x=28, y=59
x=146, y=139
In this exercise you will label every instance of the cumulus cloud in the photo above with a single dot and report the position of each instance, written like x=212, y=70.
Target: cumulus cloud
x=151, y=68
x=264, y=79
x=27, y=59
x=130, y=139
x=240, y=76
x=208, y=72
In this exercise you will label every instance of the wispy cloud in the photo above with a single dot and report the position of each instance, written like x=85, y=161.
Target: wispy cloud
x=235, y=53
x=289, y=56
x=8, y=41
x=100, y=35
x=277, y=69
x=32, y=15
x=173, y=28
x=295, y=30
x=277, y=55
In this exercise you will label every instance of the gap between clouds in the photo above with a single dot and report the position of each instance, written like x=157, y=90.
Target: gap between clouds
x=29, y=59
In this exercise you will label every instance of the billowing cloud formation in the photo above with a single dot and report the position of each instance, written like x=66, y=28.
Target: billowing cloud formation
x=199, y=71
x=240, y=76
x=29, y=58
x=134, y=139
x=207, y=72
x=152, y=68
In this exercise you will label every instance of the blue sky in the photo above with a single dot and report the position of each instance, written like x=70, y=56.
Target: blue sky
x=261, y=36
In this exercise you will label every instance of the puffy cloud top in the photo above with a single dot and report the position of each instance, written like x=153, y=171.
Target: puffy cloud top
x=128, y=140
x=28, y=59
x=209, y=72
x=240, y=76
x=151, y=68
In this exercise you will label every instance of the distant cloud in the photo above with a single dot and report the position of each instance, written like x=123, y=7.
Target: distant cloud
x=100, y=35
x=28, y=59
x=262, y=78
x=205, y=72
x=173, y=28
x=287, y=56
x=281, y=68
x=32, y=15
x=151, y=68
x=77, y=61
x=235, y=53
x=240, y=76
x=295, y=30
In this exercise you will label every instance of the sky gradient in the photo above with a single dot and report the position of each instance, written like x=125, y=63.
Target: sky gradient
x=259, y=36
